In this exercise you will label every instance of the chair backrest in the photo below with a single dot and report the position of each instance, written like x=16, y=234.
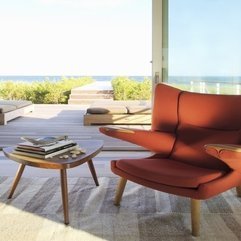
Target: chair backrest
x=197, y=119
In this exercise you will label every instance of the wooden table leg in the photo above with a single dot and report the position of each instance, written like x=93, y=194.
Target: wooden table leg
x=64, y=187
x=16, y=179
x=92, y=170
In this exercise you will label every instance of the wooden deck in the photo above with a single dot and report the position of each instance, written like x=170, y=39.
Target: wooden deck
x=57, y=120
x=63, y=120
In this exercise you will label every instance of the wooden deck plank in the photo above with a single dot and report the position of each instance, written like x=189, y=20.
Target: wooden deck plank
x=58, y=120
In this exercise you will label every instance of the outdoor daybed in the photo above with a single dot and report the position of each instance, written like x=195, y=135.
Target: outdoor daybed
x=136, y=112
x=11, y=109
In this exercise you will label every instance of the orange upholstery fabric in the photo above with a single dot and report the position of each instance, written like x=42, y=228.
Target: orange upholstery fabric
x=169, y=172
x=204, y=191
x=202, y=119
x=165, y=108
x=189, y=145
x=159, y=142
x=207, y=111
x=230, y=154
x=182, y=123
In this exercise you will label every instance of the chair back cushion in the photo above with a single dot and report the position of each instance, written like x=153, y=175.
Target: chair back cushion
x=197, y=119
x=164, y=114
x=203, y=119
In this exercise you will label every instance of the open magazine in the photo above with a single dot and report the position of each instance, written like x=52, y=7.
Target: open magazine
x=44, y=141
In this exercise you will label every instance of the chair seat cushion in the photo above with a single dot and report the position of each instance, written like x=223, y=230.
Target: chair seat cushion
x=168, y=172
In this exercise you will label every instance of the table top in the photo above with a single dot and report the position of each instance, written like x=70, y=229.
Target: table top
x=91, y=147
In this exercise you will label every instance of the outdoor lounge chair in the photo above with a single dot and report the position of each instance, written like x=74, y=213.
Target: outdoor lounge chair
x=11, y=109
x=137, y=112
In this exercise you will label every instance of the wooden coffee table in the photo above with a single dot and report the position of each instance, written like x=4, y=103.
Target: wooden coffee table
x=92, y=148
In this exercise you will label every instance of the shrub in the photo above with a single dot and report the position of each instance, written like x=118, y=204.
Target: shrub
x=45, y=92
x=128, y=89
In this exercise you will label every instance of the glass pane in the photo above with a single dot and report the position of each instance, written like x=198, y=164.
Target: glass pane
x=204, y=52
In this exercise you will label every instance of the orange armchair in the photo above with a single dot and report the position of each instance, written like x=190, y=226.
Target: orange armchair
x=182, y=123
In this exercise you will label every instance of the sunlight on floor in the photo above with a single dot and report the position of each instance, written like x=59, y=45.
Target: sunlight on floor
x=28, y=226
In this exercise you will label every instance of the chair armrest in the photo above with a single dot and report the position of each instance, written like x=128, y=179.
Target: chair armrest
x=228, y=153
x=158, y=142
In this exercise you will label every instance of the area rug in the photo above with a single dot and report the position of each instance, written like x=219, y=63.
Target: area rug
x=35, y=213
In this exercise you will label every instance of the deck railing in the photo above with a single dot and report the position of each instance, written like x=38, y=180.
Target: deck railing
x=211, y=88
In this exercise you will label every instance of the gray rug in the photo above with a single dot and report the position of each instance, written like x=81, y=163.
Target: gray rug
x=35, y=213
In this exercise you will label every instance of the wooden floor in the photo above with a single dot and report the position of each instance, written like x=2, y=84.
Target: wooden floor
x=63, y=120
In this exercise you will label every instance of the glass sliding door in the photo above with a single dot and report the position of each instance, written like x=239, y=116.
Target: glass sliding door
x=204, y=45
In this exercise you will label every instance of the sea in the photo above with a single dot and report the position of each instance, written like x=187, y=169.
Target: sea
x=171, y=79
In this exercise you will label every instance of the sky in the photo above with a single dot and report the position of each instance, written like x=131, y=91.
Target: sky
x=113, y=37
x=75, y=37
x=205, y=37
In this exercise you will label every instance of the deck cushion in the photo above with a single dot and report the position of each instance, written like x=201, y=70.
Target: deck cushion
x=107, y=109
x=120, y=107
x=7, y=108
x=16, y=103
x=168, y=172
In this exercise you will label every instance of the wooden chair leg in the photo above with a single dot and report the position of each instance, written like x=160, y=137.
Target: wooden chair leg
x=195, y=216
x=238, y=190
x=120, y=190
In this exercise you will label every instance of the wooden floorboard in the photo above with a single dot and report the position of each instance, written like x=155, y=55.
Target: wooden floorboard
x=57, y=120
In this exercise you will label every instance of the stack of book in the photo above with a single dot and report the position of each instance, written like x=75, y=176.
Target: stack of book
x=44, y=148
